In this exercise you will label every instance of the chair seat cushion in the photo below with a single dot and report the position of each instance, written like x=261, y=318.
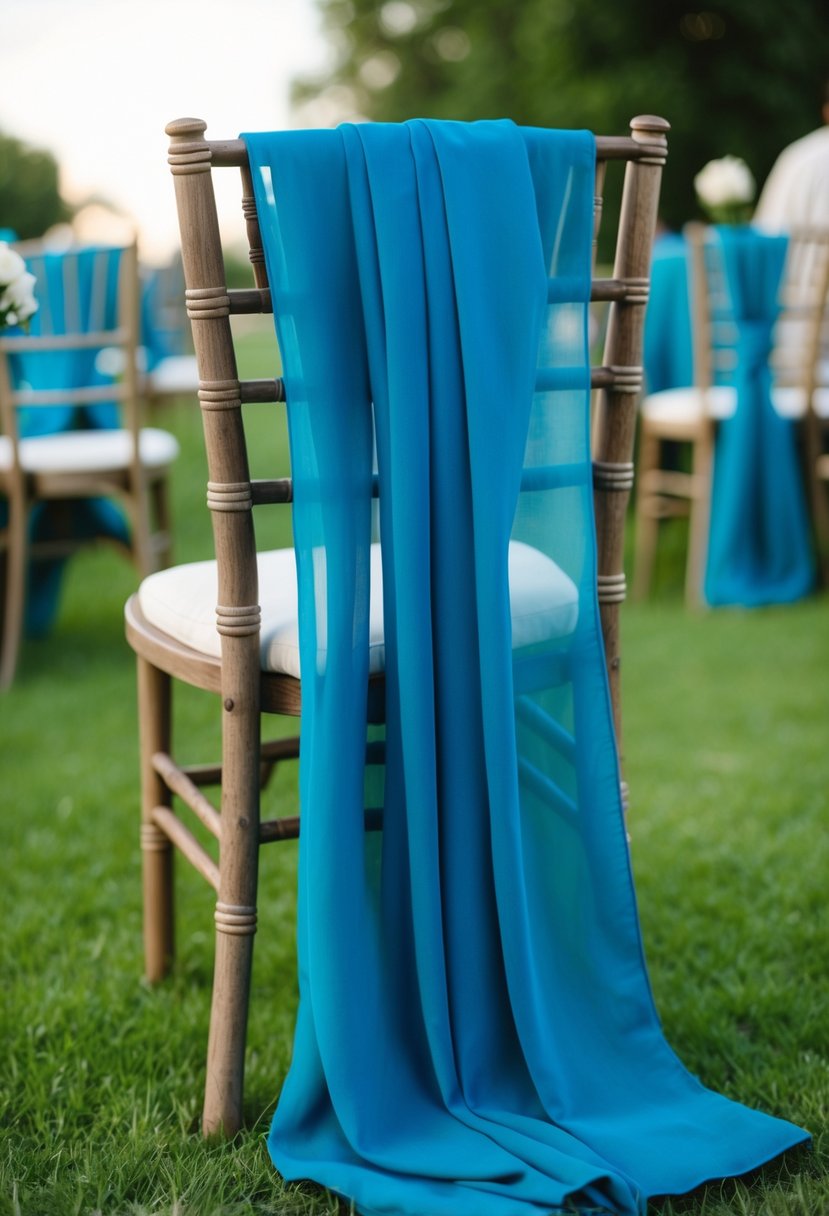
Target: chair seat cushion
x=181, y=602
x=687, y=406
x=790, y=402
x=90, y=451
x=173, y=375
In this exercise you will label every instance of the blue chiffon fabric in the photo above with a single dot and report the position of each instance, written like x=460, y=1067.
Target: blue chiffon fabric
x=163, y=334
x=476, y=1034
x=759, y=549
x=77, y=292
x=668, y=350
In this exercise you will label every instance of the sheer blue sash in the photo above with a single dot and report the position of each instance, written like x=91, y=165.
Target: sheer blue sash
x=668, y=352
x=759, y=549
x=77, y=292
x=476, y=1034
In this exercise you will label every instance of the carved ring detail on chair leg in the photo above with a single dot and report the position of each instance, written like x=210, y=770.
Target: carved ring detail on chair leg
x=153, y=840
x=157, y=853
x=235, y=919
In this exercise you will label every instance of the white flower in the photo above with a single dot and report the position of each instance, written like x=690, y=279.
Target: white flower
x=17, y=288
x=725, y=181
x=11, y=265
x=20, y=294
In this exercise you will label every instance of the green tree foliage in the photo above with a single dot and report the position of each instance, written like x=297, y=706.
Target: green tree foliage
x=30, y=200
x=743, y=77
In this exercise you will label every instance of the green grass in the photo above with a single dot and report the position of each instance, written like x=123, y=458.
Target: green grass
x=101, y=1076
x=726, y=755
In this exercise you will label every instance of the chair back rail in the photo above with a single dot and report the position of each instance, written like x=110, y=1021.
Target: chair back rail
x=232, y=495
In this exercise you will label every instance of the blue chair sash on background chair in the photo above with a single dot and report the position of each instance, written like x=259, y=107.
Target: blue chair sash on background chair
x=748, y=378
x=759, y=544
x=166, y=358
x=668, y=356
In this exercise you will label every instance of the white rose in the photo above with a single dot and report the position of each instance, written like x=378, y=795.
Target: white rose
x=21, y=295
x=11, y=264
x=728, y=180
x=17, y=302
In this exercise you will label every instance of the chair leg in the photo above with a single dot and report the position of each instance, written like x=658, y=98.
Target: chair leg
x=138, y=505
x=820, y=501
x=235, y=918
x=157, y=852
x=646, y=519
x=223, y=1092
x=160, y=500
x=15, y=597
x=818, y=488
x=699, y=523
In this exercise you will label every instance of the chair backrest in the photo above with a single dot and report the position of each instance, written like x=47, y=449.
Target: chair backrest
x=804, y=357
x=800, y=330
x=231, y=492
x=80, y=350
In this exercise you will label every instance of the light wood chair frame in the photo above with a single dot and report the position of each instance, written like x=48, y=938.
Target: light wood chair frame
x=245, y=691
x=815, y=436
x=142, y=491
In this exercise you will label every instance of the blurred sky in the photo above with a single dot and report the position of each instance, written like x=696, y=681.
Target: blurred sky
x=95, y=82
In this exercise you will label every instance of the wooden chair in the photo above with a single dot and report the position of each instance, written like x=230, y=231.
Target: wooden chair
x=684, y=420
x=249, y=656
x=58, y=409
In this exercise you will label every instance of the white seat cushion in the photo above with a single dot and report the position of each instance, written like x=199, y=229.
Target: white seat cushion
x=790, y=402
x=686, y=406
x=181, y=602
x=177, y=374
x=90, y=451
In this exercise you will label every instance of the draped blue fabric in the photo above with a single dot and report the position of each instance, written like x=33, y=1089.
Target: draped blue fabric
x=476, y=1034
x=668, y=352
x=759, y=549
x=77, y=292
x=162, y=331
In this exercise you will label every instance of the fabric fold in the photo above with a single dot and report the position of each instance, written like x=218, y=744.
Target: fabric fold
x=476, y=1032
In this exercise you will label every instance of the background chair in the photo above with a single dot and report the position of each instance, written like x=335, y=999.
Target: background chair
x=678, y=426
x=71, y=431
x=166, y=356
x=229, y=626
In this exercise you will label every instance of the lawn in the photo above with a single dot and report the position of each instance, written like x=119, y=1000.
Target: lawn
x=100, y=1076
